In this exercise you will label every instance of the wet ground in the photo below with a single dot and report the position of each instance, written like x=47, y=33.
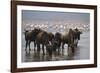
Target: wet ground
x=81, y=52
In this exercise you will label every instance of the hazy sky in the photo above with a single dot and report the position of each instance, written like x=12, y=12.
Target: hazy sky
x=72, y=17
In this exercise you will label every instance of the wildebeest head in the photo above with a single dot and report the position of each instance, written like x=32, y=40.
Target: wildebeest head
x=51, y=36
x=57, y=36
x=77, y=33
x=36, y=31
x=31, y=35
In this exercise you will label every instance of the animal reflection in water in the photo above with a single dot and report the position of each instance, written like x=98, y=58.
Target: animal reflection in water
x=49, y=46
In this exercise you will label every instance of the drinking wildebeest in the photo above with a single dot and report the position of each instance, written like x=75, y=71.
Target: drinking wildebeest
x=56, y=43
x=31, y=36
x=51, y=36
x=42, y=39
x=68, y=39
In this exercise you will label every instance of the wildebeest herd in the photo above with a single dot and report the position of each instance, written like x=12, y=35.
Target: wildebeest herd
x=52, y=43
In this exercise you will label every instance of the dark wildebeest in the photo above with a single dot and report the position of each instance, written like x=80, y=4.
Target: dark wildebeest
x=43, y=39
x=31, y=36
x=76, y=36
x=56, y=43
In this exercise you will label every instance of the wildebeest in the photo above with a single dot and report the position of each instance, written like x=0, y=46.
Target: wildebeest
x=31, y=36
x=71, y=38
x=56, y=43
x=43, y=39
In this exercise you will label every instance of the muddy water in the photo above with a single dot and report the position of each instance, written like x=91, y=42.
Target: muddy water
x=81, y=52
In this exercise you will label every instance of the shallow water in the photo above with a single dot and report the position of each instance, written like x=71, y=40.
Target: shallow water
x=81, y=52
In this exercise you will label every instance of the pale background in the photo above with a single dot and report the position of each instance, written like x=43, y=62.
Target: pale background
x=5, y=36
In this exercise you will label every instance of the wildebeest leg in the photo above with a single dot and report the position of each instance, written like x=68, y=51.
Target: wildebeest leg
x=54, y=51
x=43, y=48
x=29, y=46
x=38, y=49
x=26, y=45
x=69, y=50
x=34, y=46
x=63, y=47
x=73, y=49
x=76, y=42
x=58, y=50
